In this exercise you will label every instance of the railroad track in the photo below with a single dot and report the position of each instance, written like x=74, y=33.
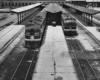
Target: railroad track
x=86, y=31
x=6, y=25
x=86, y=70
x=11, y=40
x=92, y=37
x=26, y=66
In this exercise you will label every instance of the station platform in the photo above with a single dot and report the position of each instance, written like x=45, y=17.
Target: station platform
x=11, y=47
x=9, y=38
x=91, y=29
x=54, y=61
x=5, y=38
x=6, y=30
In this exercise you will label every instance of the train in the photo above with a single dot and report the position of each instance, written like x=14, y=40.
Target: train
x=34, y=30
x=69, y=24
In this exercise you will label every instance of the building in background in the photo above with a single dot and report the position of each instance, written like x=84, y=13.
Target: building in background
x=93, y=3
x=79, y=2
x=86, y=3
x=19, y=3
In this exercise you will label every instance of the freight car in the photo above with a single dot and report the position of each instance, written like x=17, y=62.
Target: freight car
x=35, y=30
x=69, y=24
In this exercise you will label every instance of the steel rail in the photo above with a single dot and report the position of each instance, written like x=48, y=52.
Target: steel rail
x=11, y=40
x=86, y=59
x=68, y=42
x=93, y=72
x=30, y=66
x=18, y=66
x=26, y=67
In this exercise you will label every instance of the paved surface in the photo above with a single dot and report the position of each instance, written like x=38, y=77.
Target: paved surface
x=54, y=62
x=12, y=55
x=12, y=59
x=10, y=35
x=6, y=30
x=92, y=29
x=11, y=47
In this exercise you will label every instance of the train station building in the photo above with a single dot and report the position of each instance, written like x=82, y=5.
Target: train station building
x=19, y=3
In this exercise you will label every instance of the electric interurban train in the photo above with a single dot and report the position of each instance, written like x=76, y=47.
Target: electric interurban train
x=69, y=24
x=34, y=30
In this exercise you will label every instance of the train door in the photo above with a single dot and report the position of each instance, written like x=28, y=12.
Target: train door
x=54, y=17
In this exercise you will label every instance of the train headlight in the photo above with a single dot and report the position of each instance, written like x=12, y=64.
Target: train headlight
x=54, y=23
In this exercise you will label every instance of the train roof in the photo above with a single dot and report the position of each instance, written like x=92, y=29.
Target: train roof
x=37, y=21
x=53, y=8
x=42, y=14
x=33, y=26
x=68, y=17
x=39, y=18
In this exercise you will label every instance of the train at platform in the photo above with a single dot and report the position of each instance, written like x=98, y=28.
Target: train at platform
x=34, y=30
x=69, y=24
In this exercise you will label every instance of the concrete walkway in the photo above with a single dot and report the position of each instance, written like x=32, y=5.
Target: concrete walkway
x=54, y=62
x=10, y=48
x=4, y=40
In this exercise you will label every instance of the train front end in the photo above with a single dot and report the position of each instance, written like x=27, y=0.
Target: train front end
x=35, y=30
x=32, y=37
x=69, y=25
